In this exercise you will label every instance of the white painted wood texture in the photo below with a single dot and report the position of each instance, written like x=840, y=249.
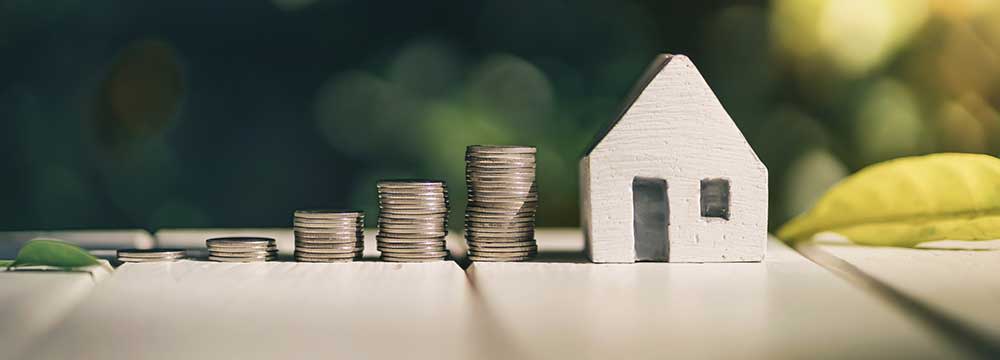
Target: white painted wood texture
x=208, y=310
x=195, y=239
x=33, y=302
x=11, y=241
x=959, y=279
x=678, y=131
x=784, y=307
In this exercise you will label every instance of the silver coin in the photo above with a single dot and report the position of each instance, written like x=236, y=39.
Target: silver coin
x=328, y=225
x=422, y=248
x=318, y=241
x=329, y=214
x=403, y=240
x=167, y=257
x=506, y=249
x=327, y=233
x=243, y=248
x=500, y=149
x=486, y=167
x=311, y=260
x=410, y=260
x=239, y=241
x=411, y=251
x=496, y=200
x=150, y=253
x=506, y=254
x=404, y=218
x=503, y=244
x=473, y=179
x=412, y=244
x=498, y=240
x=500, y=157
x=327, y=255
x=486, y=237
x=384, y=202
x=497, y=226
x=333, y=220
x=407, y=212
x=242, y=255
x=487, y=187
x=494, y=259
x=420, y=255
x=125, y=259
x=419, y=234
x=412, y=226
x=410, y=182
x=314, y=257
x=507, y=219
x=483, y=167
x=301, y=251
x=346, y=245
x=244, y=259
x=330, y=221
x=328, y=241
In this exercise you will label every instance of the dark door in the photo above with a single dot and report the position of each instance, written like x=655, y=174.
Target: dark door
x=650, y=219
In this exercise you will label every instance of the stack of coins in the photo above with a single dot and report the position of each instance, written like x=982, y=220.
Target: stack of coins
x=329, y=235
x=503, y=198
x=150, y=255
x=241, y=249
x=412, y=220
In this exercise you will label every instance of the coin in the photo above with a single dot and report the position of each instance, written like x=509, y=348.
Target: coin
x=328, y=235
x=502, y=201
x=413, y=219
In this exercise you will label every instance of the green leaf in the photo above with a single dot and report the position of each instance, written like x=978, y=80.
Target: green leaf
x=55, y=253
x=5, y=263
x=908, y=201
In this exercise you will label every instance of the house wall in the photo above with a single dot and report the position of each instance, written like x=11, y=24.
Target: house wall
x=676, y=130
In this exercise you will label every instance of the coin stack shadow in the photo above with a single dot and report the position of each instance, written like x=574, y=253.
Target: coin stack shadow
x=329, y=235
x=412, y=220
x=150, y=255
x=241, y=249
x=503, y=199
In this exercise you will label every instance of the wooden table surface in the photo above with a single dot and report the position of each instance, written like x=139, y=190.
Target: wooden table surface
x=556, y=306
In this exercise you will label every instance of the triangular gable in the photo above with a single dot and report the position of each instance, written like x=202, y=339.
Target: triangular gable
x=652, y=70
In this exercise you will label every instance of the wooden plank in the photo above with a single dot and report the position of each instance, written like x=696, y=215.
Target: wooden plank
x=955, y=281
x=207, y=310
x=784, y=307
x=32, y=302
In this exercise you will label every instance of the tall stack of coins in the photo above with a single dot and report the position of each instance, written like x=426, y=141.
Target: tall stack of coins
x=242, y=249
x=412, y=220
x=150, y=255
x=503, y=199
x=329, y=235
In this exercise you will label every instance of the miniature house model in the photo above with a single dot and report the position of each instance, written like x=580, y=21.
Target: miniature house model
x=672, y=178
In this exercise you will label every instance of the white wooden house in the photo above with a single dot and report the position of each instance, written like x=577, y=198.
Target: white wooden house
x=672, y=178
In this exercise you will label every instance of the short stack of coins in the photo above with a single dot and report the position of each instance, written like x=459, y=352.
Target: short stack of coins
x=503, y=199
x=150, y=255
x=412, y=220
x=329, y=235
x=242, y=249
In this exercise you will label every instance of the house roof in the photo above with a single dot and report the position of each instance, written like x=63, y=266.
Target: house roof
x=651, y=71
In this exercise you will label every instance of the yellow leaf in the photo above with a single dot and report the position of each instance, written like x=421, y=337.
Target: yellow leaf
x=907, y=201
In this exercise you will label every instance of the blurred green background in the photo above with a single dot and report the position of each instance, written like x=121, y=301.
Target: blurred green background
x=123, y=114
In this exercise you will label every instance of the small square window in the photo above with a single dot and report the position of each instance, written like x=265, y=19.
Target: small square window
x=715, y=198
